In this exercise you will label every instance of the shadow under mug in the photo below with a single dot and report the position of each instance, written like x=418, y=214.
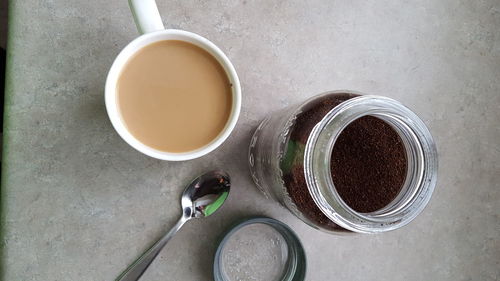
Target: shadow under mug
x=150, y=25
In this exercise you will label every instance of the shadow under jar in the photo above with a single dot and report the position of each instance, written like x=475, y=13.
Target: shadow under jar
x=346, y=162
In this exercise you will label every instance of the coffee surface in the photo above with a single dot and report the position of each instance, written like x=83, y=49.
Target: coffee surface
x=174, y=96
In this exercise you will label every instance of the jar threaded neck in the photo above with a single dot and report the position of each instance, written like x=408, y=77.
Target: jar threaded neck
x=421, y=169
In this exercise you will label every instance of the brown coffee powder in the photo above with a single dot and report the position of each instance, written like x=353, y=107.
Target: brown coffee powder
x=368, y=162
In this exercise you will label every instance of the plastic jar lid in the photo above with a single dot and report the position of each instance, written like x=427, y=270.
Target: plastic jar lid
x=260, y=248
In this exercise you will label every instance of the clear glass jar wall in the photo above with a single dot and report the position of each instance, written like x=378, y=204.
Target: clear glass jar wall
x=290, y=156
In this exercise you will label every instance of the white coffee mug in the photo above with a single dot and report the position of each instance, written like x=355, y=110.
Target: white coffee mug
x=150, y=25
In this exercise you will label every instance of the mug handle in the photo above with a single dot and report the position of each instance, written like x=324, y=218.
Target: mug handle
x=146, y=15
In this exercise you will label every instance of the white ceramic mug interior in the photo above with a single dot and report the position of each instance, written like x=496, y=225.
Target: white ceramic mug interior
x=149, y=22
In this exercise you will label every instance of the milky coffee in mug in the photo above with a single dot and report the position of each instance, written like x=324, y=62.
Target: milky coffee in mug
x=174, y=96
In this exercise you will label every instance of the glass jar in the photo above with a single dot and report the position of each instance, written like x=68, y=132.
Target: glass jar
x=298, y=142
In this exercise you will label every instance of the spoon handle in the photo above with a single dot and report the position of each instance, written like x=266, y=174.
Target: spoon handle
x=136, y=269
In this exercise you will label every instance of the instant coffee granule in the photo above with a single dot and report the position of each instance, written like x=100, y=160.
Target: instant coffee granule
x=368, y=164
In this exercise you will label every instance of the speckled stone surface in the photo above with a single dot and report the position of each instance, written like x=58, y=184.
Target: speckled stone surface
x=79, y=204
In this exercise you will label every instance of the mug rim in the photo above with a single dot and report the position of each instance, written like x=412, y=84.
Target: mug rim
x=132, y=48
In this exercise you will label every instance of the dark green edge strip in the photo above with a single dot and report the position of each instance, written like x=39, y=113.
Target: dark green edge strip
x=6, y=136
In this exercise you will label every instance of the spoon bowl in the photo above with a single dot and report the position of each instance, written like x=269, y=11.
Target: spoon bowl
x=205, y=194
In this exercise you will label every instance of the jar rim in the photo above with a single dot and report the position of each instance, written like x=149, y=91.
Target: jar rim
x=422, y=163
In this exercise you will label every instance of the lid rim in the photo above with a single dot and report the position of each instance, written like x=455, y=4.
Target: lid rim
x=296, y=263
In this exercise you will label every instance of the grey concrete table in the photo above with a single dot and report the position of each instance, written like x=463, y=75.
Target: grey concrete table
x=80, y=204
